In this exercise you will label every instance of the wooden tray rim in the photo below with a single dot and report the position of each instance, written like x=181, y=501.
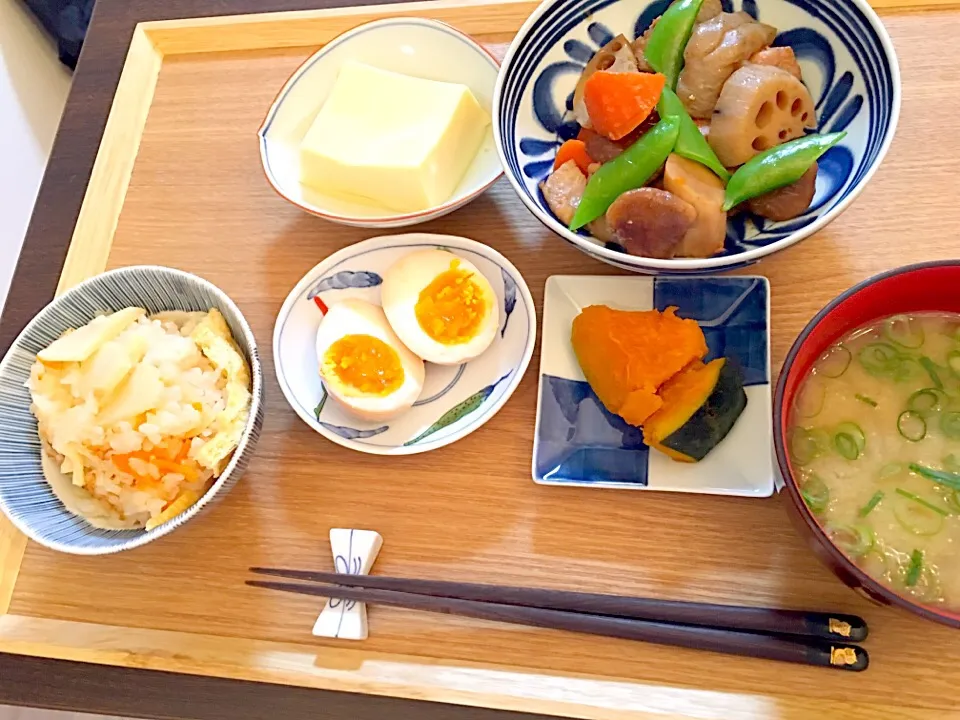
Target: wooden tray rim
x=321, y=667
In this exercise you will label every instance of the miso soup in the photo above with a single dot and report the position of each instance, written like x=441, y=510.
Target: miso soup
x=874, y=442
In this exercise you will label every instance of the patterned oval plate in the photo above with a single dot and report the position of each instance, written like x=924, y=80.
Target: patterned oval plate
x=456, y=400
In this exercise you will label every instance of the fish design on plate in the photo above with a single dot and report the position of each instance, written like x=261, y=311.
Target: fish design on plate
x=459, y=411
x=509, y=298
x=345, y=280
x=349, y=433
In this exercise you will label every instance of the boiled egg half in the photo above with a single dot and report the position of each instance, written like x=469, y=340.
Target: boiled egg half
x=364, y=365
x=441, y=306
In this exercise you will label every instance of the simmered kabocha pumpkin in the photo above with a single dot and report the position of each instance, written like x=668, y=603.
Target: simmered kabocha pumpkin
x=626, y=356
x=700, y=406
x=647, y=367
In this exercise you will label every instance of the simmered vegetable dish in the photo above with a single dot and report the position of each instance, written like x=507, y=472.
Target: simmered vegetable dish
x=874, y=444
x=698, y=118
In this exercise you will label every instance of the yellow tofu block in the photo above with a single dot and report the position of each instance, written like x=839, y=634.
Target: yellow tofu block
x=388, y=139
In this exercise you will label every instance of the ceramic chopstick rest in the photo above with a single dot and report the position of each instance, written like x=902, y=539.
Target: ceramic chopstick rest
x=354, y=552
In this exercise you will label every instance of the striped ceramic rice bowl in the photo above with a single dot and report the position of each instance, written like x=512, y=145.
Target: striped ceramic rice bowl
x=26, y=496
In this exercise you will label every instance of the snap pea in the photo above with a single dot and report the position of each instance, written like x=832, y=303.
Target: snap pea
x=777, y=167
x=691, y=143
x=629, y=170
x=669, y=38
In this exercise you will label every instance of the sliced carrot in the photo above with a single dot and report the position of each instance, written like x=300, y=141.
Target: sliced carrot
x=575, y=150
x=168, y=466
x=618, y=102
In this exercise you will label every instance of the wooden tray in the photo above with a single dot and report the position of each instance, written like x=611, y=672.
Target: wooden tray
x=177, y=182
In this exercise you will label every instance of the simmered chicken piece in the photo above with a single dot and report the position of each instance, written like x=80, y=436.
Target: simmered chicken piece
x=563, y=189
x=781, y=57
x=695, y=184
x=716, y=49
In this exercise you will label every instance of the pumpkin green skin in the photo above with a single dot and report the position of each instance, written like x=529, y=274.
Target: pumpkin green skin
x=714, y=419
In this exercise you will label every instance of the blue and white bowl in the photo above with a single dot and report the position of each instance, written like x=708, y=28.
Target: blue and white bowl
x=848, y=62
x=25, y=496
x=456, y=400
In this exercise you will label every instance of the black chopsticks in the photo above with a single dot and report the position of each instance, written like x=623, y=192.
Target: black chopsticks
x=811, y=638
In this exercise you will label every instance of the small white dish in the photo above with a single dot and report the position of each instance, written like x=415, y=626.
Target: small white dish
x=456, y=400
x=418, y=47
x=578, y=442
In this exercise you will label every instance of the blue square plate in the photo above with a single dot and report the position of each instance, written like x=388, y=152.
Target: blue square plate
x=579, y=443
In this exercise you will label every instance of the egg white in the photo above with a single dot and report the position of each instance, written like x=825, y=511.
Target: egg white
x=358, y=317
x=402, y=285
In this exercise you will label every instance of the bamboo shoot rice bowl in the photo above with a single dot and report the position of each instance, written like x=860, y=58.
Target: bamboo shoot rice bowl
x=139, y=414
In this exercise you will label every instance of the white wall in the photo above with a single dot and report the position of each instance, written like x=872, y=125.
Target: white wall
x=33, y=90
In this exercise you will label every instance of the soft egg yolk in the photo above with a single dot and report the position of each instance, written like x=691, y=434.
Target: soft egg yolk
x=452, y=307
x=365, y=363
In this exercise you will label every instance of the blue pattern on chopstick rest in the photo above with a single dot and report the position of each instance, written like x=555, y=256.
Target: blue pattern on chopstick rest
x=836, y=40
x=25, y=496
x=732, y=313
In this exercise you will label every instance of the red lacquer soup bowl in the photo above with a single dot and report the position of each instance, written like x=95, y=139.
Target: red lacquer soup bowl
x=928, y=287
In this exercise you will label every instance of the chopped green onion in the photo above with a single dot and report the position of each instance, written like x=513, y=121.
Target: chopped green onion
x=855, y=540
x=815, y=494
x=807, y=444
x=941, y=477
x=907, y=369
x=932, y=370
x=890, y=470
x=917, y=499
x=913, y=570
x=854, y=431
x=925, y=401
x=846, y=445
x=866, y=400
x=953, y=500
x=880, y=358
x=810, y=399
x=903, y=332
x=912, y=426
x=919, y=518
x=871, y=504
x=953, y=362
x=834, y=362
x=950, y=424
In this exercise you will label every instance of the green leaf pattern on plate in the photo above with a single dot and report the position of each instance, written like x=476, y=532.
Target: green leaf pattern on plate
x=459, y=411
x=319, y=408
